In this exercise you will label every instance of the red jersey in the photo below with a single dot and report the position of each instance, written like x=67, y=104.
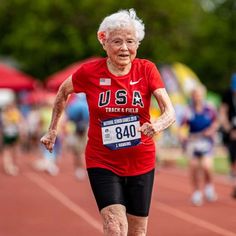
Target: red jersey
x=110, y=97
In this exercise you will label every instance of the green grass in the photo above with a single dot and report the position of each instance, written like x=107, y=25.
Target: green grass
x=221, y=164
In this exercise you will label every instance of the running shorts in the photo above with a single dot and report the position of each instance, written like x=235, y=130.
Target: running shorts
x=199, y=147
x=10, y=140
x=134, y=192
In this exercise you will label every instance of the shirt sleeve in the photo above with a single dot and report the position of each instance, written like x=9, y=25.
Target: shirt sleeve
x=155, y=80
x=78, y=80
x=213, y=112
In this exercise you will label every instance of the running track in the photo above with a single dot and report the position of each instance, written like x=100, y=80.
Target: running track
x=36, y=204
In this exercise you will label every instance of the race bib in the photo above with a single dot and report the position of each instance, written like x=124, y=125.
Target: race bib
x=203, y=145
x=121, y=132
x=199, y=147
x=10, y=130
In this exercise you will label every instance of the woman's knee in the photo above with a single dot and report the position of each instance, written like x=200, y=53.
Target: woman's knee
x=114, y=220
x=137, y=225
x=207, y=163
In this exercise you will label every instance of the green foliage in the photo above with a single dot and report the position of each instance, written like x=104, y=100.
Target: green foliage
x=220, y=164
x=215, y=45
x=46, y=35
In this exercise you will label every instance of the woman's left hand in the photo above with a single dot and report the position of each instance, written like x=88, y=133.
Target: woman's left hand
x=148, y=129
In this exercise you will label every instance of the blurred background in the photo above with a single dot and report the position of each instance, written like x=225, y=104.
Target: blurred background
x=43, y=36
x=44, y=41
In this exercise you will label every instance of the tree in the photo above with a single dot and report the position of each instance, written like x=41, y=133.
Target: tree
x=44, y=36
x=214, y=45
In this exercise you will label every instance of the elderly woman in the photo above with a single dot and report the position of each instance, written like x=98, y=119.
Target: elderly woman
x=120, y=153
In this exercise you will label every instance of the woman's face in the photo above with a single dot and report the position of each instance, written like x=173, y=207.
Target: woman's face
x=121, y=46
x=197, y=96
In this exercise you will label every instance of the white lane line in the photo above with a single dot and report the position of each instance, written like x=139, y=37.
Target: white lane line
x=191, y=219
x=54, y=192
x=221, y=179
x=173, y=187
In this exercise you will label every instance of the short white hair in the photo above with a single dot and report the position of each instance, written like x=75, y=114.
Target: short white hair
x=199, y=88
x=119, y=20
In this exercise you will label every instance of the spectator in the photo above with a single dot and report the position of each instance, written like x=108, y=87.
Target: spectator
x=48, y=161
x=78, y=114
x=228, y=126
x=12, y=123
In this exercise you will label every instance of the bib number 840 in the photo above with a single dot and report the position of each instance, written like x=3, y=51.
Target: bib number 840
x=121, y=132
x=127, y=132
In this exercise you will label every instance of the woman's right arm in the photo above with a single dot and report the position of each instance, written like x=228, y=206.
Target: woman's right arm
x=64, y=91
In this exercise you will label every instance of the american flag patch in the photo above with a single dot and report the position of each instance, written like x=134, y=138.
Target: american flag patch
x=105, y=81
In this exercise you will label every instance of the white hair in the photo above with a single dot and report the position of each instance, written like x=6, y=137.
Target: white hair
x=121, y=19
x=199, y=88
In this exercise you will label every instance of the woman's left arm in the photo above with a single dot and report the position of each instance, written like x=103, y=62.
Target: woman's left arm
x=214, y=127
x=167, y=114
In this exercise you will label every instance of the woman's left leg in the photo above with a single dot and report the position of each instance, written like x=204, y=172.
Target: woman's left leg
x=209, y=190
x=137, y=225
x=138, y=192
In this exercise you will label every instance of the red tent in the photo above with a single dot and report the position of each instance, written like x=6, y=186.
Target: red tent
x=16, y=80
x=38, y=96
x=54, y=81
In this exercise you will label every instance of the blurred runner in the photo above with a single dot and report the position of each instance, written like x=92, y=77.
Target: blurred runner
x=78, y=114
x=228, y=125
x=12, y=124
x=48, y=161
x=34, y=130
x=200, y=119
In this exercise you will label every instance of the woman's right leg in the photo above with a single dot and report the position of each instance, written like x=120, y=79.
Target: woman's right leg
x=209, y=190
x=114, y=220
x=194, y=172
x=108, y=191
x=194, y=169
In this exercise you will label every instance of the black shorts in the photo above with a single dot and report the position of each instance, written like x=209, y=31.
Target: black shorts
x=134, y=192
x=232, y=151
x=10, y=140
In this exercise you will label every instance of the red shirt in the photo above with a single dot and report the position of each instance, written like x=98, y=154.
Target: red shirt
x=111, y=96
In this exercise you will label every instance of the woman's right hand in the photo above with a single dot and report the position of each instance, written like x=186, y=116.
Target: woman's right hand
x=48, y=140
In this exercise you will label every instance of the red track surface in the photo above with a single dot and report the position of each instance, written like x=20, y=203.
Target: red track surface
x=35, y=204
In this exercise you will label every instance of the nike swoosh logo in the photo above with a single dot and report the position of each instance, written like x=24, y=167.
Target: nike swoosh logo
x=135, y=82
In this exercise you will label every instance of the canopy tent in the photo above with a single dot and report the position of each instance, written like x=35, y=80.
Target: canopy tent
x=37, y=97
x=14, y=79
x=186, y=77
x=179, y=80
x=54, y=81
x=174, y=89
x=6, y=96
